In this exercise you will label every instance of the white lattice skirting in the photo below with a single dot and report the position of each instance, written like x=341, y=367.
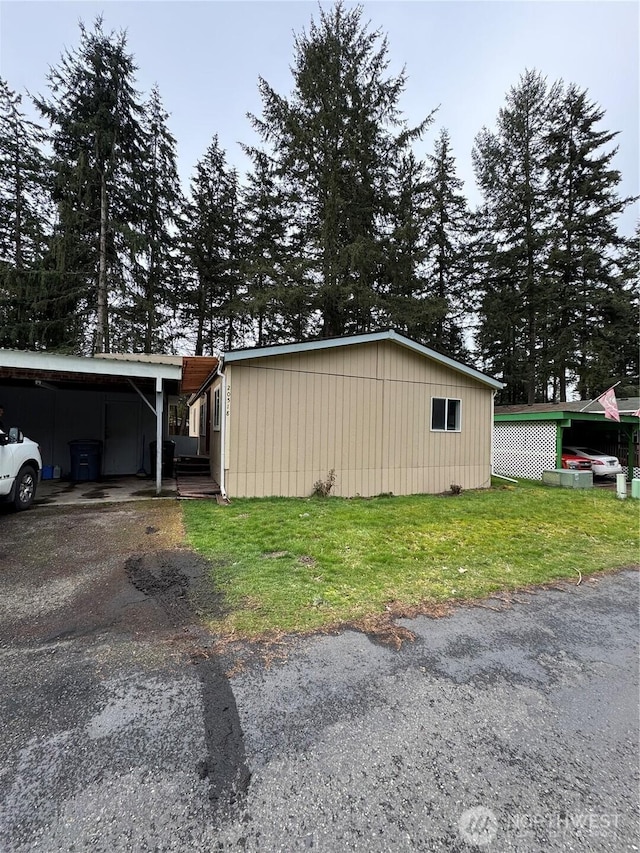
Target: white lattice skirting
x=524, y=449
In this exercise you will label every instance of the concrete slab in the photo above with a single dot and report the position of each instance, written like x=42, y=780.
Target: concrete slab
x=111, y=490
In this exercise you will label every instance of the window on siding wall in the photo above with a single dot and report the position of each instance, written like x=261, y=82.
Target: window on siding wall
x=445, y=414
x=216, y=409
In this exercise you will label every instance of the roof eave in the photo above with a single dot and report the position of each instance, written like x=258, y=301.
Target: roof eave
x=371, y=337
x=208, y=382
x=54, y=362
x=560, y=416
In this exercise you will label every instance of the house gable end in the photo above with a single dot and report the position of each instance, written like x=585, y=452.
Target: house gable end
x=358, y=341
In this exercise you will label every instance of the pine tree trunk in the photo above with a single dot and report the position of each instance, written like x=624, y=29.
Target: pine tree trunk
x=151, y=290
x=18, y=222
x=261, y=316
x=200, y=323
x=102, y=324
x=531, y=289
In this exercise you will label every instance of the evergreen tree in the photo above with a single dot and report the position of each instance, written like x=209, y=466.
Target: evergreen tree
x=588, y=301
x=405, y=302
x=214, y=299
x=509, y=166
x=334, y=139
x=24, y=219
x=501, y=325
x=97, y=142
x=151, y=300
x=447, y=250
x=610, y=350
x=271, y=265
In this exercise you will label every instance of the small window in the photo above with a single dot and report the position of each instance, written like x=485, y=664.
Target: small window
x=445, y=414
x=216, y=408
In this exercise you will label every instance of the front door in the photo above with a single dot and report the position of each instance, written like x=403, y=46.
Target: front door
x=122, y=455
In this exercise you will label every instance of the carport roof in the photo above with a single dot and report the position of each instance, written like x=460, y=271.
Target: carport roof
x=588, y=410
x=53, y=367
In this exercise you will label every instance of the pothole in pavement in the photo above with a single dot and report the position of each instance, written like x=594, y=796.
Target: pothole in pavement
x=178, y=582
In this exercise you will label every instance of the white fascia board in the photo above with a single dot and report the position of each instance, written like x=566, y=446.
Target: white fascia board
x=372, y=337
x=81, y=364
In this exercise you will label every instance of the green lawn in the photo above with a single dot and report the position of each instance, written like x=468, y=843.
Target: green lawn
x=302, y=564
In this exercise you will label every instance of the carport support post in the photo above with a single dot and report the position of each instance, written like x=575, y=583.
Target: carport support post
x=631, y=454
x=559, y=437
x=159, y=420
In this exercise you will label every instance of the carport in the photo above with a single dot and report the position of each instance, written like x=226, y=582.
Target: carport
x=119, y=400
x=529, y=439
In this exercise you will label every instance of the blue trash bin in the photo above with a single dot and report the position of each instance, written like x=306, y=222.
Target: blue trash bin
x=86, y=459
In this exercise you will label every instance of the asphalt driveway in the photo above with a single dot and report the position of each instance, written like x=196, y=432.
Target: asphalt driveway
x=122, y=729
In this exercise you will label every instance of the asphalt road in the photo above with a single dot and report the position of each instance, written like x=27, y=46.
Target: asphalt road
x=496, y=729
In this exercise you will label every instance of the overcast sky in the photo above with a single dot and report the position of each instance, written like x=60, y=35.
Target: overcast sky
x=460, y=56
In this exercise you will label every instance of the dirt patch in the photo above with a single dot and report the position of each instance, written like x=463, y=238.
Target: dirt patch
x=178, y=581
x=383, y=631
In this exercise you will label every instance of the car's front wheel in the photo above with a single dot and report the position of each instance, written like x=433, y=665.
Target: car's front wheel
x=25, y=488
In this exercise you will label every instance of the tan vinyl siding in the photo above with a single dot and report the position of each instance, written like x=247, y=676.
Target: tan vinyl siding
x=363, y=410
x=215, y=439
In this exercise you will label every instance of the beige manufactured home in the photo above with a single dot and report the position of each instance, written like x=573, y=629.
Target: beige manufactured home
x=385, y=413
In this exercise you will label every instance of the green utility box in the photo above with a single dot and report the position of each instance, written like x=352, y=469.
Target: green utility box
x=568, y=479
x=635, y=488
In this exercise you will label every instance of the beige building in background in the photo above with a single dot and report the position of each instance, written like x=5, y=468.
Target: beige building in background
x=385, y=413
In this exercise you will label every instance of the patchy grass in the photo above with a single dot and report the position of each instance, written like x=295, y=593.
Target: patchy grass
x=287, y=565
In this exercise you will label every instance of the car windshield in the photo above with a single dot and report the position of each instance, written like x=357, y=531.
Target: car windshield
x=591, y=451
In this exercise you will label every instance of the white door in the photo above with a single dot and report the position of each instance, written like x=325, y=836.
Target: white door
x=121, y=452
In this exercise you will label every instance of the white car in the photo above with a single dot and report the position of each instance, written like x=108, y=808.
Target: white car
x=20, y=468
x=602, y=464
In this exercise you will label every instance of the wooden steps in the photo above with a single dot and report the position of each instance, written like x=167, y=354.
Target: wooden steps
x=192, y=466
x=197, y=487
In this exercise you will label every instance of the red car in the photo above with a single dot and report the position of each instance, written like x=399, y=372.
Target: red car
x=575, y=463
